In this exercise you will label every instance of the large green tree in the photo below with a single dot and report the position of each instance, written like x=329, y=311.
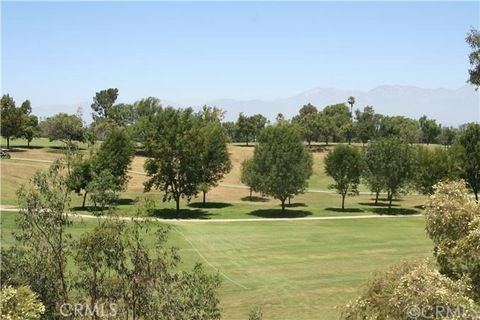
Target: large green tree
x=332, y=120
x=248, y=175
x=12, y=119
x=401, y=127
x=367, y=124
x=307, y=120
x=30, y=128
x=345, y=165
x=103, y=102
x=63, y=127
x=174, y=145
x=281, y=162
x=429, y=129
x=104, y=173
x=248, y=127
x=433, y=165
x=473, y=40
x=213, y=155
x=469, y=154
x=393, y=166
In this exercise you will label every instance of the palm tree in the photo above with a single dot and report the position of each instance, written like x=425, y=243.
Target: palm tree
x=351, y=102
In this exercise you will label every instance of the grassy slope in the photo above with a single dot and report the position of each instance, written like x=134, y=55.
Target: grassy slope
x=293, y=270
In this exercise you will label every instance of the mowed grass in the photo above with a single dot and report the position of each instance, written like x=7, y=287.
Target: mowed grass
x=229, y=200
x=291, y=269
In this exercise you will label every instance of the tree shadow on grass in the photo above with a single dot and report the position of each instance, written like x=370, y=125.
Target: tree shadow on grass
x=183, y=214
x=379, y=204
x=344, y=210
x=254, y=199
x=209, y=205
x=395, y=211
x=125, y=201
x=278, y=213
x=420, y=207
x=97, y=211
x=295, y=205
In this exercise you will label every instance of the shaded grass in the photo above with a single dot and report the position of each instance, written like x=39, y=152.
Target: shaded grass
x=278, y=213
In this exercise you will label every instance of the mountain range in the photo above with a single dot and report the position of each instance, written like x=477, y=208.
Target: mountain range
x=447, y=106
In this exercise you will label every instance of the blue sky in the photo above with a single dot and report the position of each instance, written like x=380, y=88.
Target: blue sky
x=62, y=52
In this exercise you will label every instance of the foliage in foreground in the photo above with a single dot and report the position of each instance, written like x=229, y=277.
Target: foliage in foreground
x=406, y=288
x=453, y=223
x=113, y=262
x=20, y=304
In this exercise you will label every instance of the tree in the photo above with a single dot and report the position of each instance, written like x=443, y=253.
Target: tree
x=344, y=165
x=249, y=127
x=115, y=156
x=244, y=127
x=473, y=40
x=281, y=162
x=213, y=156
x=105, y=172
x=307, y=120
x=63, y=127
x=26, y=107
x=393, y=167
x=411, y=290
x=453, y=223
x=447, y=136
x=430, y=129
x=230, y=128
x=367, y=124
x=79, y=177
x=43, y=218
x=402, y=127
x=102, y=103
x=30, y=129
x=12, y=119
x=431, y=167
x=116, y=265
x=174, y=145
x=351, y=102
x=248, y=176
x=469, y=154
x=20, y=303
x=333, y=119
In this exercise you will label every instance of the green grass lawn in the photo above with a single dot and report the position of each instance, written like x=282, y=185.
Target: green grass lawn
x=291, y=269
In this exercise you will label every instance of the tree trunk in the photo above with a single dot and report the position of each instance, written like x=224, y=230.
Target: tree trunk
x=28, y=144
x=476, y=194
x=177, y=206
x=283, y=205
x=8, y=142
x=250, y=192
x=84, y=199
x=376, y=197
x=390, y=197
x=343, y=201
x=204, y=193
x=289, y=200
